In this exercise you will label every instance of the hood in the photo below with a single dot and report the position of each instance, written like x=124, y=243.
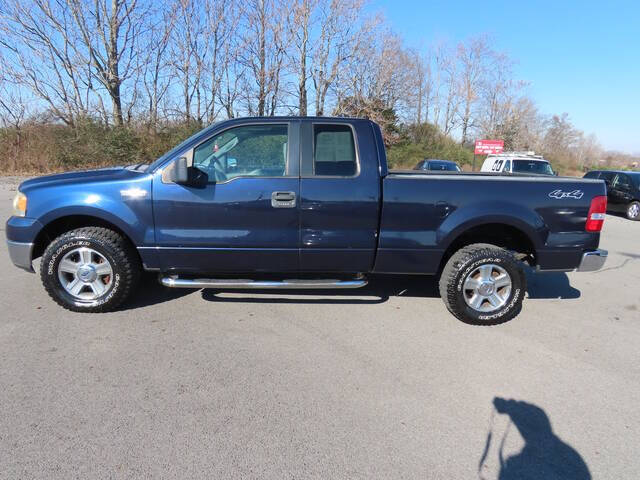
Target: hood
x=81, y=176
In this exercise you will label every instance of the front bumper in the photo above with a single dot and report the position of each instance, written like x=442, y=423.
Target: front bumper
x=592, y=261
x=21, y=235
x=20, y=254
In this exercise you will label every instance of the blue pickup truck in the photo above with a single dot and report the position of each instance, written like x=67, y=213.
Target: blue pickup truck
x=289, y=202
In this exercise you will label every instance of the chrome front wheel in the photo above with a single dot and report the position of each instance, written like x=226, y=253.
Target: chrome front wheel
x=90, y=269
x=85, y=273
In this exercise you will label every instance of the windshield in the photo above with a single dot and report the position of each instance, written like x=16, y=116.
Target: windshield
x=451, y=167
x=532, y=166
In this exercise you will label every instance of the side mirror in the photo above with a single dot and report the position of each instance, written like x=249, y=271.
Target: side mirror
x=182, y=174
x=180, y=171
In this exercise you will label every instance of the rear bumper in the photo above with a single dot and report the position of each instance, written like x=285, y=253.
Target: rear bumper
x=20, y=254
x=592, y=261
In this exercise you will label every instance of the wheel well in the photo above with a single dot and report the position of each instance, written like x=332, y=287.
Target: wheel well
x=64, y=224
x=499, y=234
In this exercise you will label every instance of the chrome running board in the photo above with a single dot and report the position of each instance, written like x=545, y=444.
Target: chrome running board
x=231, y=284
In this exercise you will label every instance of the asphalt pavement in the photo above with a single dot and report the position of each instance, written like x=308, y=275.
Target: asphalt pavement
x=380, y=382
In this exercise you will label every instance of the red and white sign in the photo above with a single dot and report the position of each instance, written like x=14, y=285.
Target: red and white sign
x=487, y=147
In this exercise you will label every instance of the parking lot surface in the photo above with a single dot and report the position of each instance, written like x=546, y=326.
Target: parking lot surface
x=380, y=382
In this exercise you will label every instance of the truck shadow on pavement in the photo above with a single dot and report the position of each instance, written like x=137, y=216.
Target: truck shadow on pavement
x=549, y=285
x=543, y=456
x=380, y=288
x=150, y=292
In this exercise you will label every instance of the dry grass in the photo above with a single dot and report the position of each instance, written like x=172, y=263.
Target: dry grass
x=46, y=148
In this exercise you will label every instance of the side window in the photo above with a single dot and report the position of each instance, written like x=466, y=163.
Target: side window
x=334, y=151
x=246, y=151
x=507, y=166
x=591, y=175
x=622, y=181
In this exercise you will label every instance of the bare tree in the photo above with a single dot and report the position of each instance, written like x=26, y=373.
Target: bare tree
x=300, y=23
x=189, y=50
x=503, y=111
x=222, y=19
x=450, y=101
x=117, y=61
x=475, y=57
x=520, y=125
x=155, y=63
x=39, y=39
x=344, y=33
x=561, y=136
x=108, y=32
x=588, y=150
x=424, y=90
x=232, y=80
x=380, y=84
x=13, y=108
x=262, y=53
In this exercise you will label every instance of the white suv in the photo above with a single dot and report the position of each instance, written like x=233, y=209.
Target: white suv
x=517, y=162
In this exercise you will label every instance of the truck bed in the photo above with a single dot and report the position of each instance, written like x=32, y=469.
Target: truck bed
x=424, y=212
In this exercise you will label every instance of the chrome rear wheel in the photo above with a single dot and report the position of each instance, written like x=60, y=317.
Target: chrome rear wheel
x=487, y=288
x=483, y=284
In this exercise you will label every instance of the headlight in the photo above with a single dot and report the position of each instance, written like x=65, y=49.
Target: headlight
x=20, y=205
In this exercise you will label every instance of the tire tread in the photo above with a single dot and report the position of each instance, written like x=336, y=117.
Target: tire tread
x=127, y=260
x=446, y=284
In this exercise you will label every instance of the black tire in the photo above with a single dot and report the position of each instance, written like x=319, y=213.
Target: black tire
x=633, y=211
x=123, y=259
x=462, y=264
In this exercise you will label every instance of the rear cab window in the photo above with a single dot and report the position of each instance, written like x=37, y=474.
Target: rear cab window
x=334, y=151
x=607, y=176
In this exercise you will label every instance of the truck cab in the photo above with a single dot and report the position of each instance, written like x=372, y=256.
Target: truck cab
x=274, y=195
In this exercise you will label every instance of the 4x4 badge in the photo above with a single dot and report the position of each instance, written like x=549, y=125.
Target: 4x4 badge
x=577, y=194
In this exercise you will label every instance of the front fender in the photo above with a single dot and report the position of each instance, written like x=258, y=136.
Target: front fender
x=127, y=205
x=124, y=218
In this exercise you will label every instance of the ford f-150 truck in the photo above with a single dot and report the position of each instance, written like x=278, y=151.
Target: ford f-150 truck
x=300, y=203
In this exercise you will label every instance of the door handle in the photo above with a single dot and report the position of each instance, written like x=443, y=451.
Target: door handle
x=283, y=199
